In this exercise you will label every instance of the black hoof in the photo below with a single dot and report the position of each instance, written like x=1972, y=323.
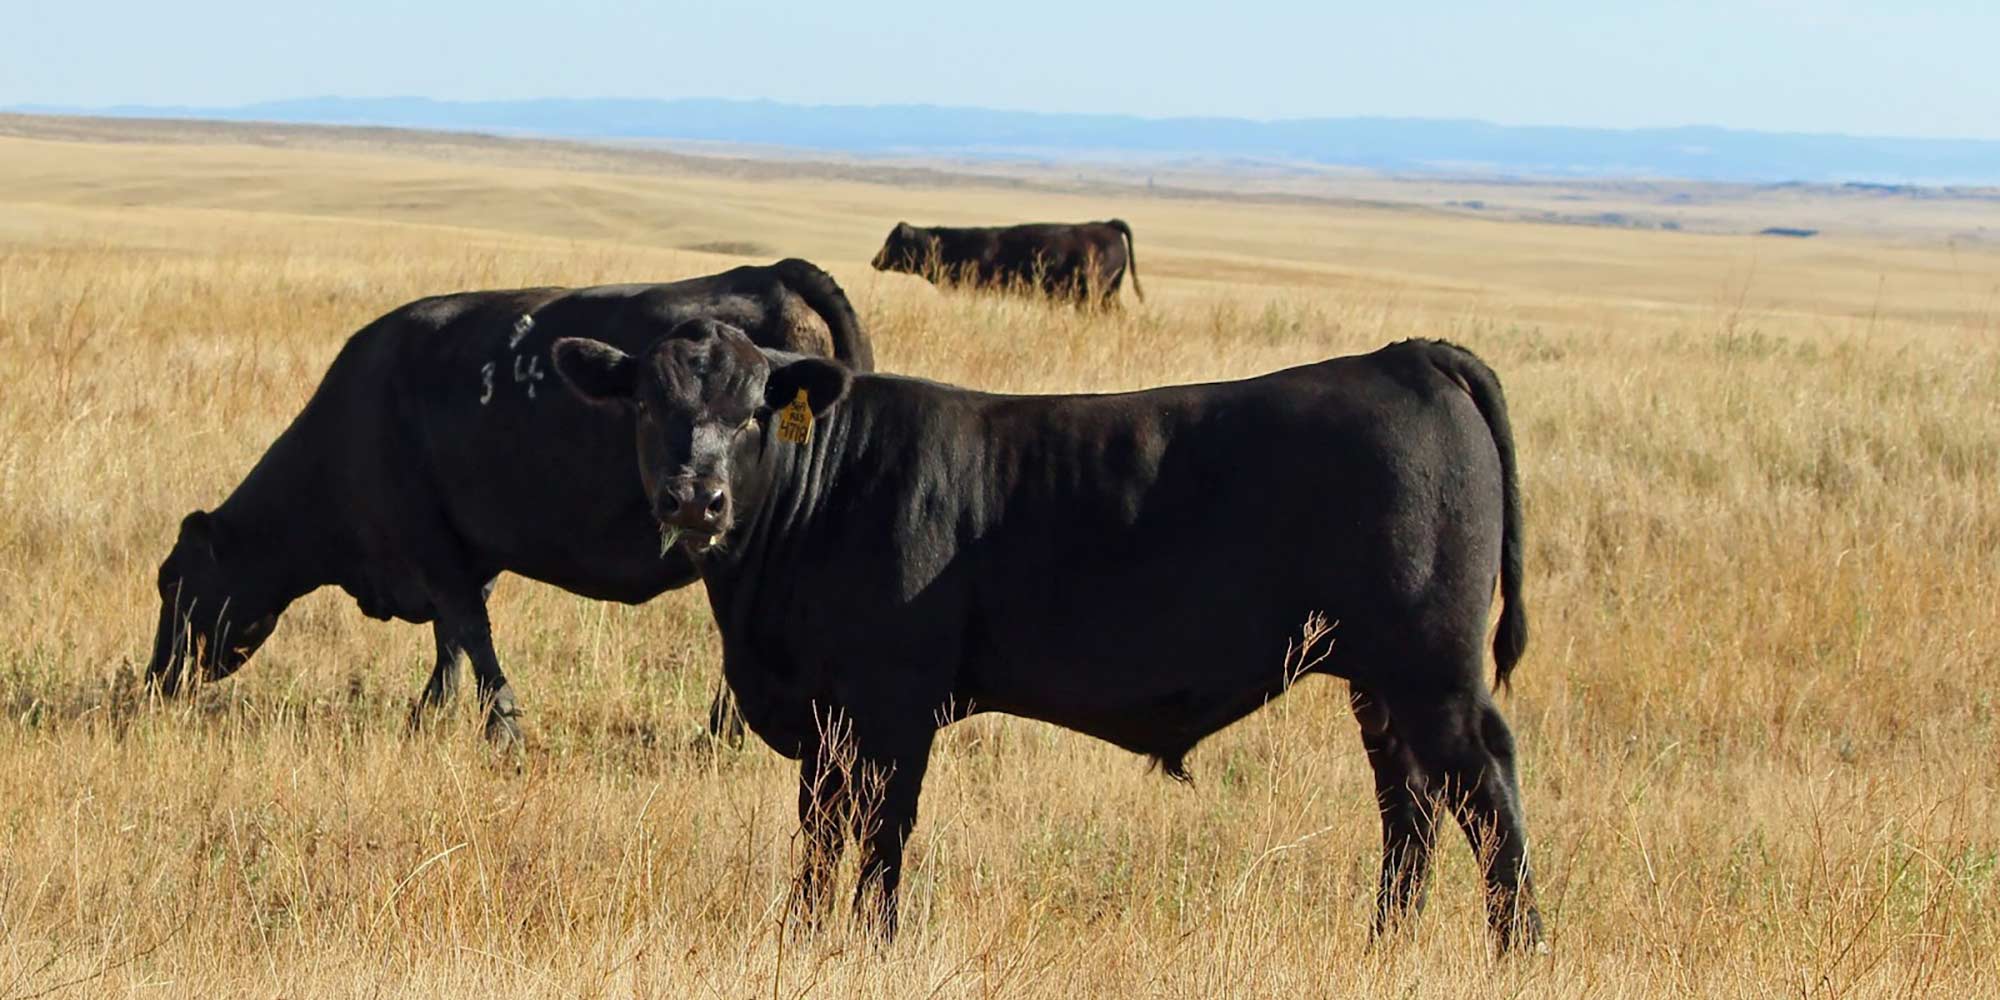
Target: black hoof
x=501, y=729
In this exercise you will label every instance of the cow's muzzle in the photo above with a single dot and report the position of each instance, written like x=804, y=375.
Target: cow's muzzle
x=698, y=507
x=182, y=653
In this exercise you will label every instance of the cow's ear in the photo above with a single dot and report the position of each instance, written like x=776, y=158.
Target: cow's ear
x=203, y=533
x=595, y=370
x=824, y=381
x=198, y=529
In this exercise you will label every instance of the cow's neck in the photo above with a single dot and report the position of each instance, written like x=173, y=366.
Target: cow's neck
x=801, y=487
x=796, y=482
x=284, y=519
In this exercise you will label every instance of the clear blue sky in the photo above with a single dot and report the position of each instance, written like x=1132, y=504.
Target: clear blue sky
x=1916, y=68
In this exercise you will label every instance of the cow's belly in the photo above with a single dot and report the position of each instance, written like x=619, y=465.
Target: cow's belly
x=1166, y=723
x=569, y=542
x=628, y=573
x=1157, y=689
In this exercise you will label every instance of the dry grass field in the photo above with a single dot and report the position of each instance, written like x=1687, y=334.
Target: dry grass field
x=1758, y=717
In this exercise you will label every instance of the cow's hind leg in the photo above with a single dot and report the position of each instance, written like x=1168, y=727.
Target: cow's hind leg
x=447, y=631
x=725, y=723
x=1460, y=740
x=464, y=619
x=443, y=685
x=1408, y=823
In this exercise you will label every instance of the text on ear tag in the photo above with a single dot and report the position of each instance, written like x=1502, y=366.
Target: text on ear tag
x=795, y=421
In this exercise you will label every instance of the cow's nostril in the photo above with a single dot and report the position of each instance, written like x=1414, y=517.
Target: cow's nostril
x=699, y=507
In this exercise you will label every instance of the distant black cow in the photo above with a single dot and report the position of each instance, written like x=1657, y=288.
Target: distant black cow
x=1130, y=566
x=1084, y=263
x=439, y=451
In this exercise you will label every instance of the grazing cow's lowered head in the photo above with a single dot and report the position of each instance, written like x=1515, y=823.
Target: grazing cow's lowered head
x=908, y=250
x=214, y=607
x=698, y=393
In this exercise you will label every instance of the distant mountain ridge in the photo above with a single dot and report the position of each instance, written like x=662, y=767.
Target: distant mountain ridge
x=1407, y=145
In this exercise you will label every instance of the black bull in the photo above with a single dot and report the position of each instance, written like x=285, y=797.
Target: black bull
x=440, y=451
x=1132, y=566
x=1082, y=262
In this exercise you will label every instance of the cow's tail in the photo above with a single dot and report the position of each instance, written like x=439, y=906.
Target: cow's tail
x=1131, y=256
x=823, y=295
x=1511, y=638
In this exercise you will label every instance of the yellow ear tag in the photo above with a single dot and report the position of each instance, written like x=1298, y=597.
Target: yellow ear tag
x=795, y=421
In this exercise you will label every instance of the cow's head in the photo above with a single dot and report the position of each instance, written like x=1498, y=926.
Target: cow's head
x=215, y=608
x=909, y=250
x=699, y=395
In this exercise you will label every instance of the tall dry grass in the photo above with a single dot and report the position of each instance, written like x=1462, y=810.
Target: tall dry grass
x=1757, y=717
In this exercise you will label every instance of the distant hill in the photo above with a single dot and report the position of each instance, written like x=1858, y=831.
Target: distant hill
x=1401, y=145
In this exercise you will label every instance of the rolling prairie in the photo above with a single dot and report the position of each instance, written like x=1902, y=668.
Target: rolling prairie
x=1758, y=716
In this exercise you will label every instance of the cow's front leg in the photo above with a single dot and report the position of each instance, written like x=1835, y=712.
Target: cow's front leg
x=825, y=817
x=890, y=777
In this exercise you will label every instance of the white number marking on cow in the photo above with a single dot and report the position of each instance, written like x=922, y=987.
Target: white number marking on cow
x=528, y=369
x=486, y=383
x=521, y=328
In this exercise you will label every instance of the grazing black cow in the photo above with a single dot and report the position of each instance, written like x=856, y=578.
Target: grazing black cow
x=439, y=452
x=1084, y=263
x=1130, y=566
